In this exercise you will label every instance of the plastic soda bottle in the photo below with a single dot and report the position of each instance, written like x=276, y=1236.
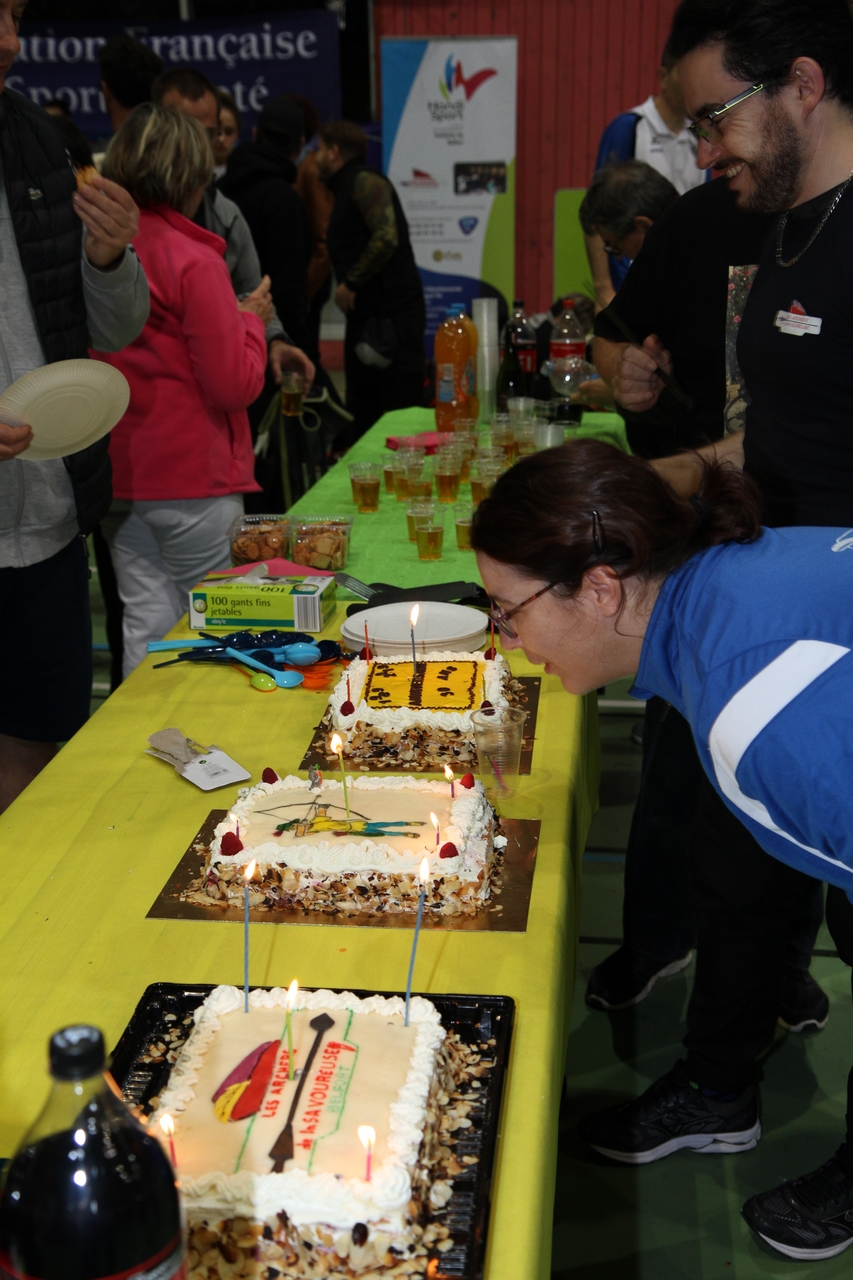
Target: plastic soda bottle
x=89, y=1194
x=474, y=339
x=567, y=337
x=452, y=353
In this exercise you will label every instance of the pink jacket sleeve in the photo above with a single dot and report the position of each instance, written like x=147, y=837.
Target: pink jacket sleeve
x=227, y=347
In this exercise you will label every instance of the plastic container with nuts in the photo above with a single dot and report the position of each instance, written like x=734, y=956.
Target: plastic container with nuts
x=321, y=542
x=256, y=538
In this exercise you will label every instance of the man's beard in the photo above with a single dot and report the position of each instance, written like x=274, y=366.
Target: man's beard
x=777, y=173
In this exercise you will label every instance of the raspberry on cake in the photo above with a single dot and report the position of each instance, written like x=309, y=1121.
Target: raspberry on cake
x=311, y=854
x=391, y=712
x=273, y=1174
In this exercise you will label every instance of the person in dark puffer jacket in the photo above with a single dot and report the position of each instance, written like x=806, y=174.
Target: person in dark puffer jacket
x=67, y=281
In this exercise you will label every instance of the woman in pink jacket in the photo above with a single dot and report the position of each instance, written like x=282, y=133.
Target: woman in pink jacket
x=182, y=454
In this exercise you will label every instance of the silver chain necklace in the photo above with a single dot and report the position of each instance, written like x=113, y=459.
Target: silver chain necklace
x=783, y=222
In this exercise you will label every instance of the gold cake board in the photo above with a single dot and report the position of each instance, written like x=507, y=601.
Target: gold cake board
x=506, y=911
x=317, y=755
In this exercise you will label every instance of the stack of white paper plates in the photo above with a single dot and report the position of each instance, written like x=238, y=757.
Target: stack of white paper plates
x=69, y=406
x=440, y=626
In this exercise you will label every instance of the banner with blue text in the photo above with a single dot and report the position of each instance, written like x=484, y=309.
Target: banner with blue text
x=448, y=139
x=254, y=61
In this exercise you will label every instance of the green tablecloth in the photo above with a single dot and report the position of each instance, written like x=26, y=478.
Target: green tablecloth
x=380, y=550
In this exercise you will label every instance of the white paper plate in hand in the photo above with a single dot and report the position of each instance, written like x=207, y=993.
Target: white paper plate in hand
x=440, y=626
x=69, y=406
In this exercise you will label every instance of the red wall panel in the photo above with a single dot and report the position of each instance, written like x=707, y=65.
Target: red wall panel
x=580, y=62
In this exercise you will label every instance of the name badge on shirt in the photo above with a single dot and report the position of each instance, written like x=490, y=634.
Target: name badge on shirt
x=796, y=321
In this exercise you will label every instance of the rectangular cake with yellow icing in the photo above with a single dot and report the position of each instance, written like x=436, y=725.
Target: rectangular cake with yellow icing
x=393, y=712
x=267, y=1109
x=318, y=850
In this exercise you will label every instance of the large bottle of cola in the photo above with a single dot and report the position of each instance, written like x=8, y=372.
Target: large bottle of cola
x=88, y=1194
x=567, y=336
x=525, y=343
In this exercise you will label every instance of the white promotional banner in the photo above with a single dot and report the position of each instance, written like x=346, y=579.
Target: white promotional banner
x=448, y=141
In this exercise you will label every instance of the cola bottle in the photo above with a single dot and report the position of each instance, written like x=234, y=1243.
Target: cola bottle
x=525, y=343
x=567, y=337
x=512, y=380
x=89, y=1194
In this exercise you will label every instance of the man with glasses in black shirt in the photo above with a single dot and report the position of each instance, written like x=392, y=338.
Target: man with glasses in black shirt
x=769, y=88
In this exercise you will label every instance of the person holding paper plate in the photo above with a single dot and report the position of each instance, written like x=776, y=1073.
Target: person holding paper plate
x=182, y=454
x=67, y=280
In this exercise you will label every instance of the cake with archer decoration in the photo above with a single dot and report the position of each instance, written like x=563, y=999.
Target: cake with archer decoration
x=321, y=851
x=274, y=1176
x=392, y=713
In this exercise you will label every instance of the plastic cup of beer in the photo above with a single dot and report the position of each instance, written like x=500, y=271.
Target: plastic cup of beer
x=465, y=426
x=368, y=482
x=463, y=514
x=483, y=477
x=420, y=482
x=503, y=437
x=415, y=510
x=388, y=474
x=524, y=436
x=448, y=468
x=292, y=391
x=429, y=534
x=499, y=732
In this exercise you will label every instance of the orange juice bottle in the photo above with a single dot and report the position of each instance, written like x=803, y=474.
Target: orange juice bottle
x=474, y=339
x=452, y=354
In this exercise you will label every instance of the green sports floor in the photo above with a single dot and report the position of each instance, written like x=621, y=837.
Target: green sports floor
x=678, y=1219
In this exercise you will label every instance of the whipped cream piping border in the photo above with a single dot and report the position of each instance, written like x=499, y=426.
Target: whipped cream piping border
x=470, y=814
x=399, y=719
x=324, y=1198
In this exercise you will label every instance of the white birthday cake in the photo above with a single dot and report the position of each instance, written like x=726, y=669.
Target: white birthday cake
x=267, y=1110
x=321, y=851
x=393, y=712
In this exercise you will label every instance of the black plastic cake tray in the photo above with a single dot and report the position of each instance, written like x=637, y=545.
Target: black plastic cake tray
x=475, y=1019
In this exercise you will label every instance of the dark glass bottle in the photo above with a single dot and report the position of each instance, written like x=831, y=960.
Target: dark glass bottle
x=89, y=1193
x=512, y=381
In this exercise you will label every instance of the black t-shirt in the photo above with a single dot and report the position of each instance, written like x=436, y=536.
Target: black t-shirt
x=795, y=349
x=682, y=288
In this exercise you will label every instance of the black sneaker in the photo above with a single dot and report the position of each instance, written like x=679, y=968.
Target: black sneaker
x=805, y=1007
x=626, y=977
x=670, y=1115
x=810, y=1218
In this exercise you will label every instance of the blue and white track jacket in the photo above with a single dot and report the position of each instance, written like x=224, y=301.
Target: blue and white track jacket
x=753, y=644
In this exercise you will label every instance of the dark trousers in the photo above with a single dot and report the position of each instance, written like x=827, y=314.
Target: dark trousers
x=372, y=392
x=659, y=914
x=747, y=906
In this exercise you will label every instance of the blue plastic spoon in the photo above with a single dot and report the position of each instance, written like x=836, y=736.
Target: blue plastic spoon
x=284, y=679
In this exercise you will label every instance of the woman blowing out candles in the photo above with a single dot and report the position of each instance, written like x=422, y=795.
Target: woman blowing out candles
x=597, y=570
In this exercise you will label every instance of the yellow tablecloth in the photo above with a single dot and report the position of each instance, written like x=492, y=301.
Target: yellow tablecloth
x=89, y=845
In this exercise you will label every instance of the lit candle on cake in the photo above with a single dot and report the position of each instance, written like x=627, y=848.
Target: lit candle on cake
x=423, y=875
x=413, y=622
x=167, y=1124
x=434, y=820
x=367, y=1137
x=247, y=876
x=292, y=992
x=449, y=775
x=338, y=747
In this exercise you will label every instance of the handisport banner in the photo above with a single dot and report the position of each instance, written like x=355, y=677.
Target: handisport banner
x=448, y=142
x=254, y=61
